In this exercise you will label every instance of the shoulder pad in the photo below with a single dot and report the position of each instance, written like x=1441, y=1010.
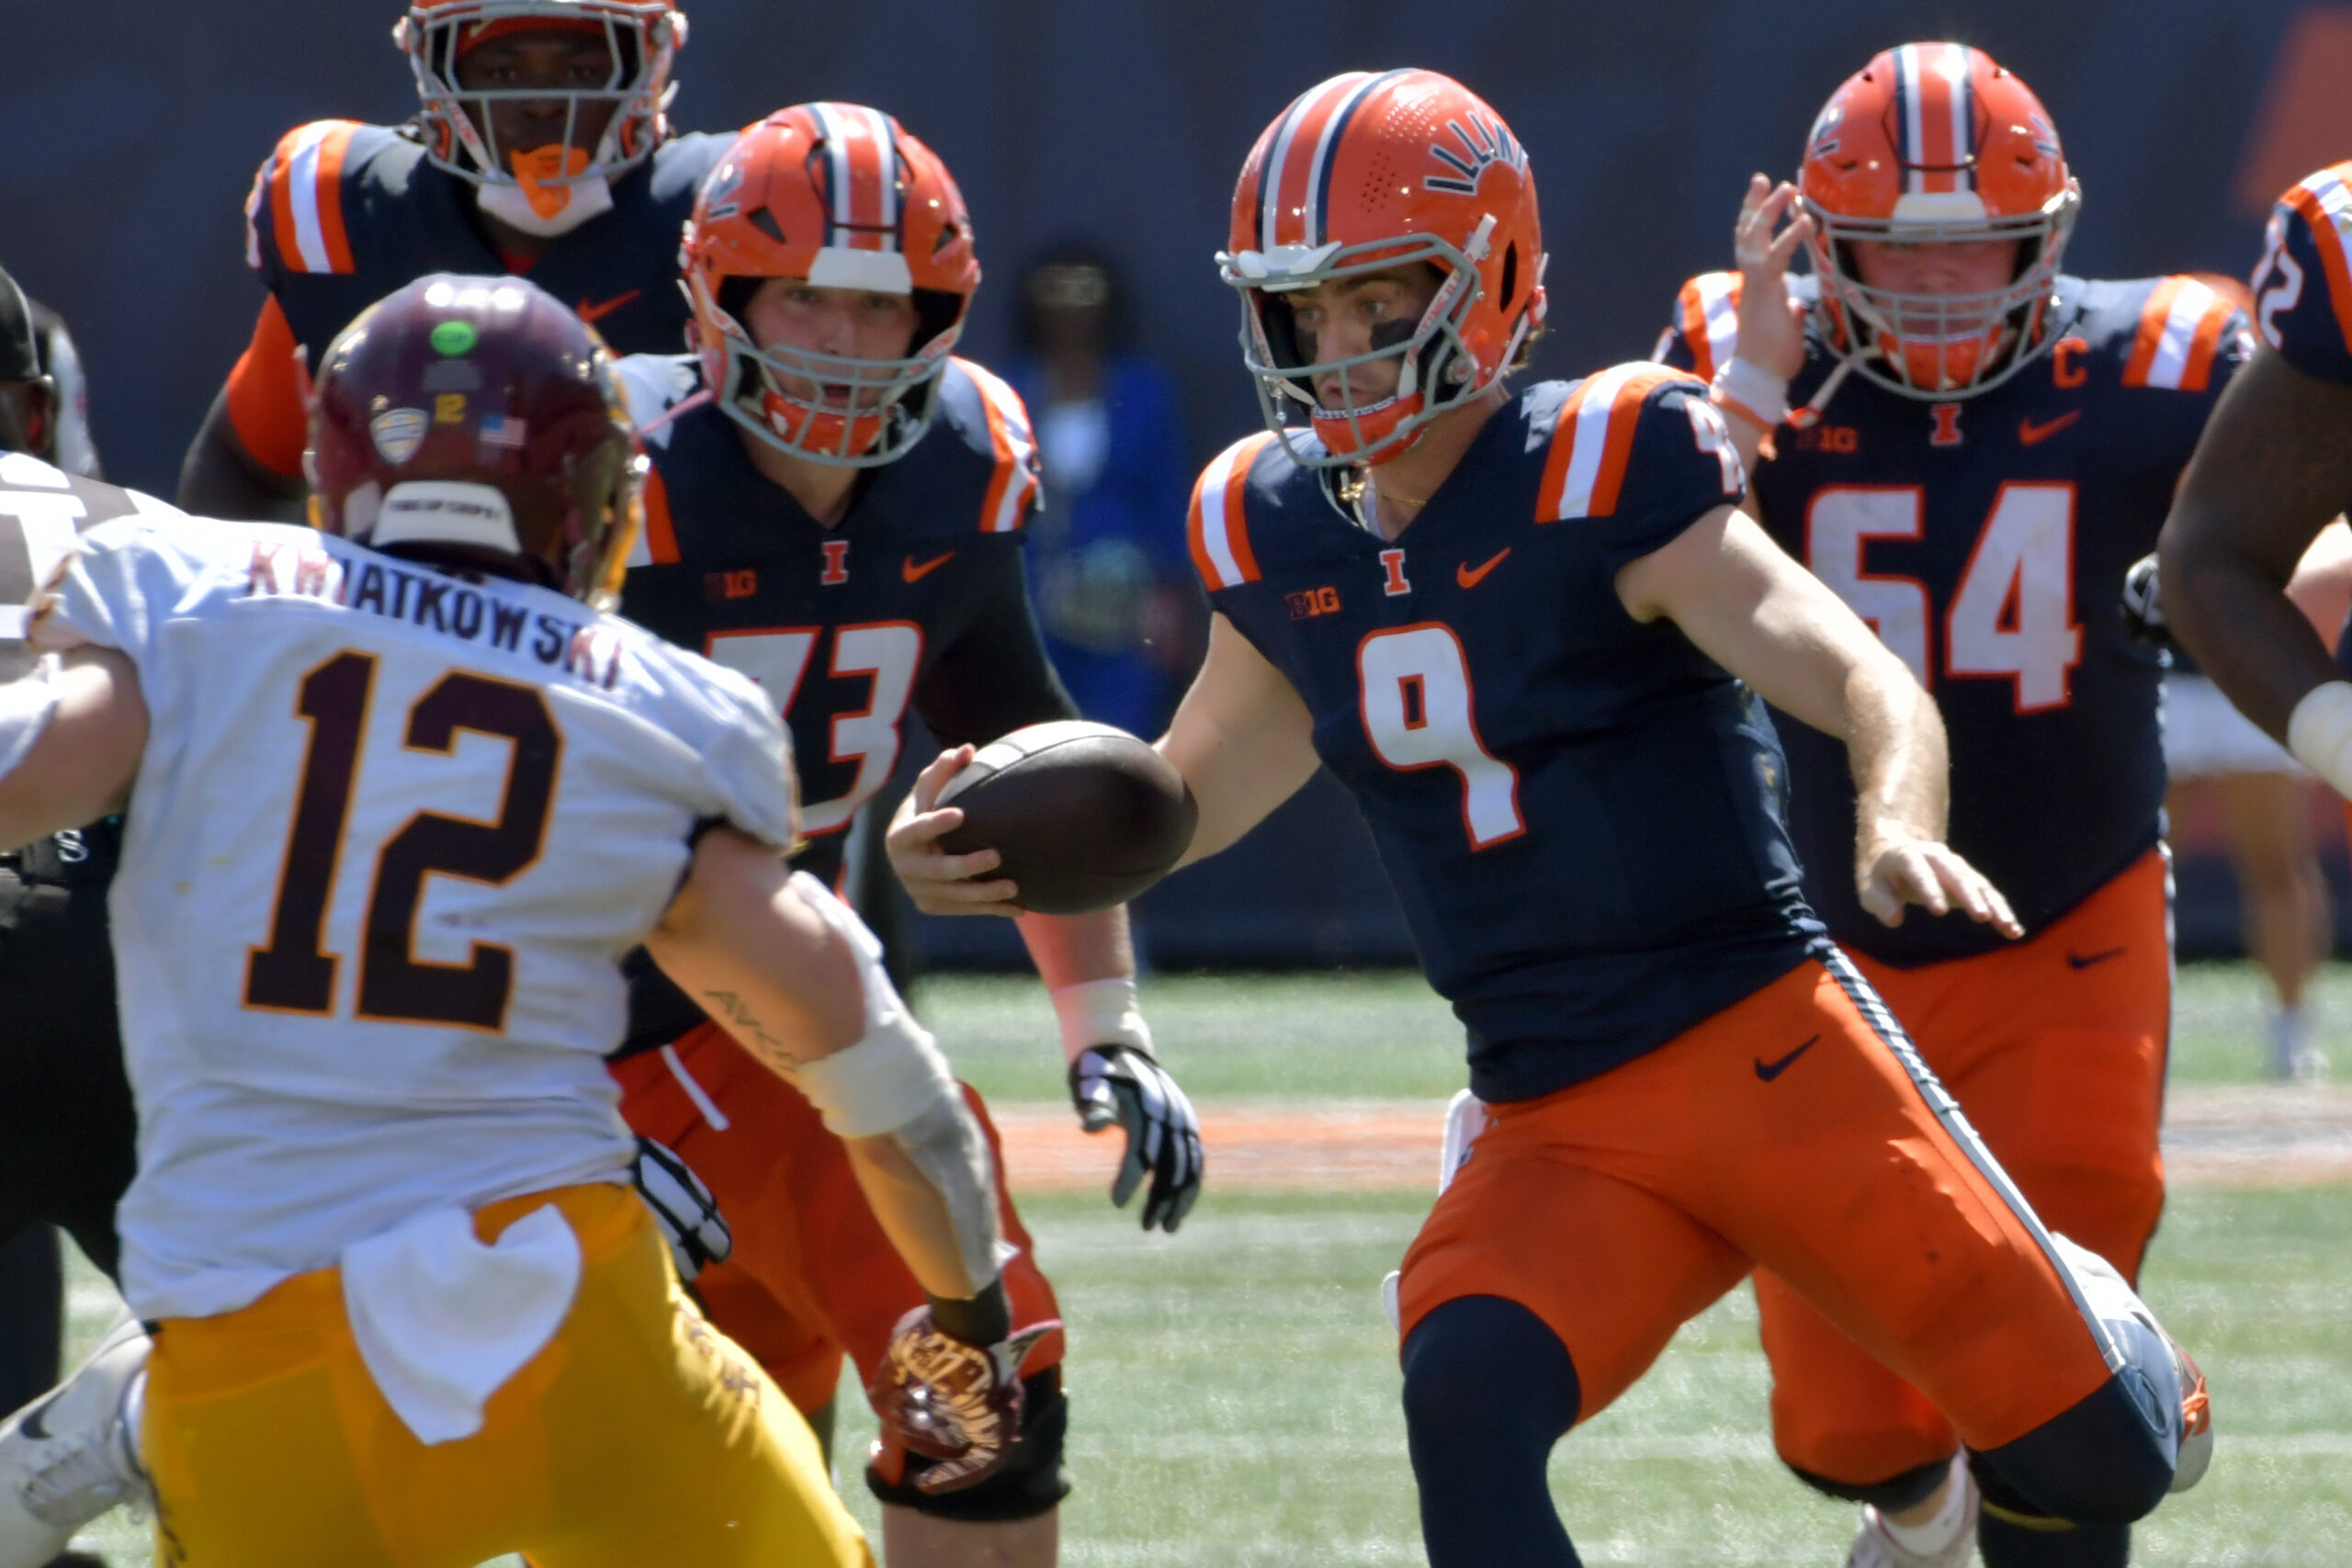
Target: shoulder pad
x=2182, y=325
x=296, y=206
x=653, y=387
x=2322, y=203
x=1216, y=528
x=657, y=542
x=1013, y=485
x=1706, y=322
x=1592, y=436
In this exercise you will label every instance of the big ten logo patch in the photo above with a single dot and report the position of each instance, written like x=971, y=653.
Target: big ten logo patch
x=722, y=586
x=1842, y=440
x=1310, y=603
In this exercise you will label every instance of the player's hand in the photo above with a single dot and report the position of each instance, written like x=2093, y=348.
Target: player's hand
x=952, y=1401
x=1772, y=325
x=684, y=1207
x=939, y=882
x=1118, y=1085
x=1923, y=872
x=2144, y=610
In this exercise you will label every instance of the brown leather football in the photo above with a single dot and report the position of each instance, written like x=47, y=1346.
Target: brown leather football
x=1085, y=814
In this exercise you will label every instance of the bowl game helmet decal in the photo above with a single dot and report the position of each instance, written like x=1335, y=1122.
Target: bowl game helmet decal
x=477, y=419
x=1368, y=171
x=1934, y=143
x=841, y=197
x=545, y=189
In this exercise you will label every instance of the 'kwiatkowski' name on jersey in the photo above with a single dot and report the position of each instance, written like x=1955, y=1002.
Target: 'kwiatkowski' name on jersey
x=914, y=603
x=380, y=874
x=1581, y=813
x=343, y=214
x=1985, y=539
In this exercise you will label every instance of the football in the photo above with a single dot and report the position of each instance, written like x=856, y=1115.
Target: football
x=1085, y=814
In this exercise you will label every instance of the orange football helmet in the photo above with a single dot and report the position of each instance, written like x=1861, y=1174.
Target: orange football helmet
x=1364, y=173
x=1934, y=143
x=839, y=196
x=644, y=36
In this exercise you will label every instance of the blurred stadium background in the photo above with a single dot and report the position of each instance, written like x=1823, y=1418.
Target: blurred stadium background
x=1237, y=1384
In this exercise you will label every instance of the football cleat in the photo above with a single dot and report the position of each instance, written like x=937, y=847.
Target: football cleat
x=73, y=1453
x=2172, y=1387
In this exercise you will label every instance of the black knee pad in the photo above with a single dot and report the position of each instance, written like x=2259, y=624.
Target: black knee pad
x=1892, y=1495
x=2025, y=1541
x=1032, y=1481
x=2096, y=1463
x=1464, y=1354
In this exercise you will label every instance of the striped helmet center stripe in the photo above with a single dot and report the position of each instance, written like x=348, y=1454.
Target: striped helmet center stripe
x=1278, y=160
x=1963, y=104
x=1318, y=174
x=828, y=126
x=1906, y=99
x=885, y=155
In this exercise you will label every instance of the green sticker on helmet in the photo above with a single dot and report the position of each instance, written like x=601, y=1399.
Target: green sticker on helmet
x=456, y=337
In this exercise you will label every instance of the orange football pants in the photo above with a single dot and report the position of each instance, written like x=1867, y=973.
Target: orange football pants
x=1786, y=1131
x=812, y=1276
x=2055, y=1047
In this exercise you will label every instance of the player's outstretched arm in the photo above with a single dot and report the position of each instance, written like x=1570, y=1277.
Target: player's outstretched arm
x=1242, y=738
x=1770, y=621
x=71, y=737
x=2273, y=467
x=788, y=971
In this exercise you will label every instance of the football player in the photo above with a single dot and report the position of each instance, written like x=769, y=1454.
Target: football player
x=836, y=510
x=382, y=1219
x=1534, y=634
x=66, y=1126
x=543, y=146
x=1984, y=446
x=2273, y=468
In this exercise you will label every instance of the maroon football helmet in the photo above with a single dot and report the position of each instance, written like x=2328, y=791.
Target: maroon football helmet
x=477, y=421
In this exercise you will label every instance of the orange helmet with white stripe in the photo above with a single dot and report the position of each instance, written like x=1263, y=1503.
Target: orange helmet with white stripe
x=1934, y=143
x=1369, y=172
x=643, y=38
x=839, y=196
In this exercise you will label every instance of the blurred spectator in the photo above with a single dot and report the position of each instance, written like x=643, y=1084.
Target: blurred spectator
x=1107, y=560
x=2265, y=799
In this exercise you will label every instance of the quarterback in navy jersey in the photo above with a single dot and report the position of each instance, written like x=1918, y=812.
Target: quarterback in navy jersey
x=1984, y=447
x=1534, y=635
x=542, y=148
x=2273, y=468
x=835, y=509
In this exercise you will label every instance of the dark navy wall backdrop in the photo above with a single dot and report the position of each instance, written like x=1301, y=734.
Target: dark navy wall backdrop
x=132, y=129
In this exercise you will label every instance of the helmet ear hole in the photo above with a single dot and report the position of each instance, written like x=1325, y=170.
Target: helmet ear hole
x=1510, y=278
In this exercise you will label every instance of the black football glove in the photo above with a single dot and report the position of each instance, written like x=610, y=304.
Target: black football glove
x=2143, y=611
x=1119, y=1083
x=688, y=1214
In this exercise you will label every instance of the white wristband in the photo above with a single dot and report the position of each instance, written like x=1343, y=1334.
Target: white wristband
x=1747, y=389
x=2318, y=733
x=1101, y=1012
x=893, y=1074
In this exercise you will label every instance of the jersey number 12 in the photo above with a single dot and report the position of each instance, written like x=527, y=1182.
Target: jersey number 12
x=292, y=973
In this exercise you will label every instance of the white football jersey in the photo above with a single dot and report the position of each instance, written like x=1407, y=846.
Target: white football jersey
x=392, y=834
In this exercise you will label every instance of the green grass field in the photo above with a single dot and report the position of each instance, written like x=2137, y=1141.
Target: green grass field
x=1233, y=1387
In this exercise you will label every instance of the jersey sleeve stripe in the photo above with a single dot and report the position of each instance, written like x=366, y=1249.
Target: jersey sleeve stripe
x=1711, y=320
x=1013, y=487
x=2205, y=342
x=658, y=545
x=2324, y=200
x=1592, y=441
x=2170, y=325
x=1218, y=530
x=306, y=198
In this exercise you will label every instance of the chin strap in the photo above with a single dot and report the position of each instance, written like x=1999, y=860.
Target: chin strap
x=1808, y=415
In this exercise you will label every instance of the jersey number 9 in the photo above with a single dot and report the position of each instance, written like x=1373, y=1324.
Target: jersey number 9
x=1417, y=713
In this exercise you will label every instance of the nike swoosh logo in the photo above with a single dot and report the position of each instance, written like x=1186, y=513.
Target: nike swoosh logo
x=2085, y=960
x=1768, y=1071
x=599, y=310
x=1469, y=577
x=915, y=571
x=2033, y=435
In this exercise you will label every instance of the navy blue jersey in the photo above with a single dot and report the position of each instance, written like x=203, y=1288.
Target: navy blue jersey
x=915, y=601
x=343, y=214
x=1581, y=813
x=1985, y=539
x=2303, y=286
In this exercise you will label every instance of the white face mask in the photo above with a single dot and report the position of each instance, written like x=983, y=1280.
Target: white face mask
x=587, y=195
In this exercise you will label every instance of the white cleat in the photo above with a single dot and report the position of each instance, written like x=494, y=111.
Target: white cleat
x=2115, y=1300
x=73, y=1453
x=1876, y=1546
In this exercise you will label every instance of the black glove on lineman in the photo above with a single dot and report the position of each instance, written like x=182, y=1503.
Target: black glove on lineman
x=2143, y=611
x=1120, y=1083
x=686, y=1211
